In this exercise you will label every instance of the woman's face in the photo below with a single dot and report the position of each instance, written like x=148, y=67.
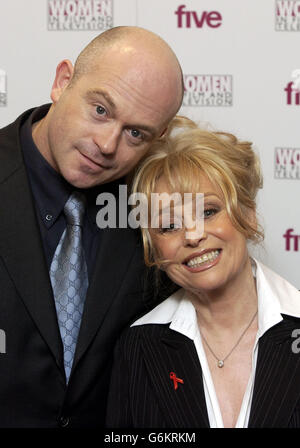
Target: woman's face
x=207, y=262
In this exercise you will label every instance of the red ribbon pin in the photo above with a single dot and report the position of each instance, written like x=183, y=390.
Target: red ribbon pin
x=175, y=380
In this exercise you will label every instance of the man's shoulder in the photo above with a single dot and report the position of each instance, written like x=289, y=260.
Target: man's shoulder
x=13, y=127
x=10, y=148
x=11, y=131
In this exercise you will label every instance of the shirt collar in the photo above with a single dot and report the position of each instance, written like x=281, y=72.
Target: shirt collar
x=276, y=296
x=52, y=195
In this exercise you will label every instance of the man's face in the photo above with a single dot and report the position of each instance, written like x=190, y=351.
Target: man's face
x=104, y=122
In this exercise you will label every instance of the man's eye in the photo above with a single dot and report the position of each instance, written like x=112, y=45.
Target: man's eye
x=135, y=133
x=100, y=110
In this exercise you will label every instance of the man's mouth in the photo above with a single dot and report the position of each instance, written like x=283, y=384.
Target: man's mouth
x=94, y=163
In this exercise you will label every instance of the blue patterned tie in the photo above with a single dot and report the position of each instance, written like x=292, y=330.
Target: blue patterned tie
x=69, y=278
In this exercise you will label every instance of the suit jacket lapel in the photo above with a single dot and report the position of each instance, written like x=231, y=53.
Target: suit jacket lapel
x=22, y=253
x=276, y=387
x=116, y=249
x=173, y=352
x=21, y=246
x=277, y=384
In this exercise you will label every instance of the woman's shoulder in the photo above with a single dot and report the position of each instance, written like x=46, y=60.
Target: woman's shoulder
x=153, y=324
x=271, y=284
x=131, y=340
x=138, y=331
x=163, y=312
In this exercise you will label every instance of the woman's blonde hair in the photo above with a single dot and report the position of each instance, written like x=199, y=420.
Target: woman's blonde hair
x=230, y=164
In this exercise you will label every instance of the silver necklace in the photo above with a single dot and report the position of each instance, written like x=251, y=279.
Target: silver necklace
x=220, y=362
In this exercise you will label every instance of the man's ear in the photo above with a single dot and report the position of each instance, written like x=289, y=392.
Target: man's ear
x=64, y=73
x=163, y=132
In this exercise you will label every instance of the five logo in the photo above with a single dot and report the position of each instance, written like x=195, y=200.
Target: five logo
x=73, y=15
x=186, y=19
x=292, y=95
x=290, y=238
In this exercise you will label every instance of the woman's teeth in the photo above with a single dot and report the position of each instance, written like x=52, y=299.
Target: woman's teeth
x=207, y=257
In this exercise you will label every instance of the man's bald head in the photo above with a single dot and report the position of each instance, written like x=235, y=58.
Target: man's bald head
x=107, y=111
x=136, y=42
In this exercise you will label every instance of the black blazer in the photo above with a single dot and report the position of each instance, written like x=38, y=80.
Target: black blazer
x=33, y=391
x=142, y=395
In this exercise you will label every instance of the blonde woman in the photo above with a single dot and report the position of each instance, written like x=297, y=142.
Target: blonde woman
x=222, y=350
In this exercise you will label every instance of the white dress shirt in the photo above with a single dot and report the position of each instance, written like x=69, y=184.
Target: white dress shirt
x=275, y=297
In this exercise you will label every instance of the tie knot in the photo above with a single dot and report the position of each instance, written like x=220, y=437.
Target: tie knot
x=74, y=209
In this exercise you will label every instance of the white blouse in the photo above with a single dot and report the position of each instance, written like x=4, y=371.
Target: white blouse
x=275, y=297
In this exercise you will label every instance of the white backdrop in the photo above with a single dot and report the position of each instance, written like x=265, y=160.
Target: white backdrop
x=237, y=57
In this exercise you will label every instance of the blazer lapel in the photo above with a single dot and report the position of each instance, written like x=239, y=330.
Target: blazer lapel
x=22, y=252
x=277, y=384
x=116, y=249
x=173, y=353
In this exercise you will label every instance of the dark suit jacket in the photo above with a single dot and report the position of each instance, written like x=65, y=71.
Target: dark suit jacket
x=33, y=391
x=142, y=395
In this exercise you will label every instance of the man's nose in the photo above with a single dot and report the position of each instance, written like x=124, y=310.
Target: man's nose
x=108, y=138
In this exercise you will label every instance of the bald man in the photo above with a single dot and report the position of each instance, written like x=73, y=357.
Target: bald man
x=68, y=287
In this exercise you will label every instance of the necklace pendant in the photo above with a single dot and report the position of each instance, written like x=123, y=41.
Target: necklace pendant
x=220, y=363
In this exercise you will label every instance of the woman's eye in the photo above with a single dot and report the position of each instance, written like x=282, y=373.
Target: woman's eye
x=210, y=212
x=171, y=228
x=100, y=110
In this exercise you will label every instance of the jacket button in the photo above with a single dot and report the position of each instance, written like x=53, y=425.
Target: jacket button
x=64, y=421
